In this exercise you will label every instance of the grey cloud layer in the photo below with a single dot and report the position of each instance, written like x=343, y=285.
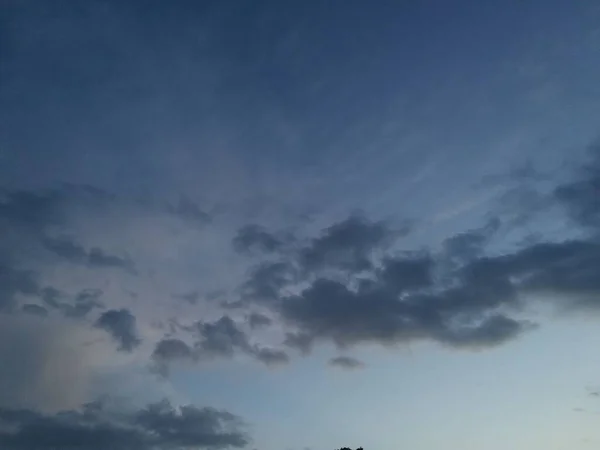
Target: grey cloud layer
x=347, y=293
x=29, y=221
x=222, y=338
x=73, y=252
x=157, y=427
x=389, y=299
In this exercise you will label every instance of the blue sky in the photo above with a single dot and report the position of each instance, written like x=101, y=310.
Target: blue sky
x=299, y=225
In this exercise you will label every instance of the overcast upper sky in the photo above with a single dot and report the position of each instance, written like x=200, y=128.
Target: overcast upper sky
x=293, y=225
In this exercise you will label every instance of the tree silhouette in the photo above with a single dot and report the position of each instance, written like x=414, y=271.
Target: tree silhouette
x=348, y=448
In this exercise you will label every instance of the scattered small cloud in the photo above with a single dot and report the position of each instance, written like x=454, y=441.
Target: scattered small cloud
x=121, y=325
x=346, y=363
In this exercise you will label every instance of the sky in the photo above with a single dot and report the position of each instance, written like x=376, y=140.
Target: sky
x=299, y=225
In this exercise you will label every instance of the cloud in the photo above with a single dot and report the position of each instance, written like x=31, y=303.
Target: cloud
x=171, y=351
x=73, y=252
x=330, y=311
x=266, y=280
x=255, y=238
x=77, y=307
x=99, y=258
x=348, y=285
x=85, y=301
x=121, y=325
x=345, y=245
x=220, y=339
x=468, y=245
x=189, y=211
x=224, y=338
x=397, y=298
x=190, y=297
x=32, y=210
x=346, y=362
x=462, y=296
x=14, y=282
x=35, y=310
x=270, y=357
x=581, y=195
x=67, y=249
x=407, y=273
x=489, y=332
x=159, y=426
x=593, y=392
x=258, y=320
x=47, y=363
x=303, y=342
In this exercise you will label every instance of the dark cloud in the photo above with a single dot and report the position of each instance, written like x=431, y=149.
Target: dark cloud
x=345, y=245
x=469, y=308
x=222, y=338
x=255, y=238
x=403, y=274
x=402, y=298
x=31, y=210
x=346, y=362
x=83, y=303
x=192, y=427
x=14, y=282
x=190, y=297
x=75, y=253
x=462, y=297
x=489, y=332
x=99, y=258
x=266, y=280
x=381, y=312
x=581, y=195
x=36, y=223
x=67, y=249
x=52, y=297
x=34, y=212
x=35, y=310
x=121, y=325
x=172, y=349
x=188, y=210
x=302, y=342
x=329, y=310
x=169, y=351
x=160, y=426
x=466, y=246
x=258, y=320
x=270, y=356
